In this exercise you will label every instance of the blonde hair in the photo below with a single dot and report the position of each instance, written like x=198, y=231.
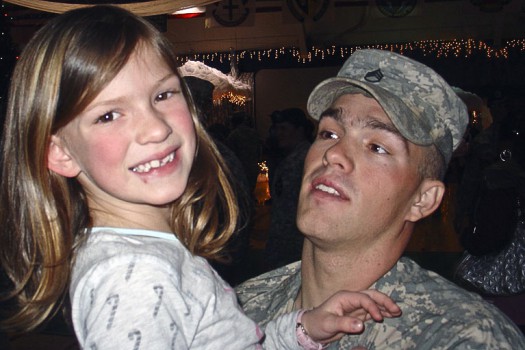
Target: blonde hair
x=62, y=69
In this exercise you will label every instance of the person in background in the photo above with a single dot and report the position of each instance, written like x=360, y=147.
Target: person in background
x=272, y=154
x=491, y=205
x=245, y=142
x=234, y=268
x=388, y=126
x=484, y=150
x=293, y=135
x=111, y=188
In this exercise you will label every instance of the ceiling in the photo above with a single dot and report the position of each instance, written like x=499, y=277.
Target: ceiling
x=281, y=23
x=234, y=25
x=286, y=33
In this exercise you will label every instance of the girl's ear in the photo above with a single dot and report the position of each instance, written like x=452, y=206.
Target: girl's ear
x=427, y=200
x=59, y=160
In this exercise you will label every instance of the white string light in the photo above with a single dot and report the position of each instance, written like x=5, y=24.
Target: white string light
x=459, y=48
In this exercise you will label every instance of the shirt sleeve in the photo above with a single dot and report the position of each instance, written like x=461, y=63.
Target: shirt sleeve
x=280, y=333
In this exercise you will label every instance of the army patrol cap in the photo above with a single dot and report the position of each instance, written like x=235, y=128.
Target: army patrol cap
x=418, y=101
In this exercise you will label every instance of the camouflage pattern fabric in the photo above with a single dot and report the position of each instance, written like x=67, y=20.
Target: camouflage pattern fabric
x=420, y=103
x=436, y=313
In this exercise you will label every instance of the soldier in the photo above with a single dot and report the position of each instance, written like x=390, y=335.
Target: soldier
x=387, y=128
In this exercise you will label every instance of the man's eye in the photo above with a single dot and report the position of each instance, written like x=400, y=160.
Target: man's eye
x=107, y=117
x=164, y=96
x=378, y=149
x=326, y=135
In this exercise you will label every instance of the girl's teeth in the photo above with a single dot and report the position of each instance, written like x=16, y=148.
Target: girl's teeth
x=146, y=167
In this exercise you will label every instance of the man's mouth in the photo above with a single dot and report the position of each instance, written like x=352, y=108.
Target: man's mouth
x=327, y=189
x=154, y=164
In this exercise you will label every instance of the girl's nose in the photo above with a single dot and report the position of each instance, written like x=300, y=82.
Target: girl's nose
x=152, y=127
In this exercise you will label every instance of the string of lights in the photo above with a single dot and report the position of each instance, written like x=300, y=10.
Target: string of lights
x=459, y=48
x=432, y=49
x=232, y=98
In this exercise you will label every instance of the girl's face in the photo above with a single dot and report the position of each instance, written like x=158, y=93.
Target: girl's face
x=133, y=146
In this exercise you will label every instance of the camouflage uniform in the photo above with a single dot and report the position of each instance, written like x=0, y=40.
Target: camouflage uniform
x=436, y=313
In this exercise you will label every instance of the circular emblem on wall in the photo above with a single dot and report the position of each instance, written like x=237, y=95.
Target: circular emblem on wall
x=396, y=8
x=230, y=13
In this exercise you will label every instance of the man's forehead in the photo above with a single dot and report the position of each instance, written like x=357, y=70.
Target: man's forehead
x=356, y=107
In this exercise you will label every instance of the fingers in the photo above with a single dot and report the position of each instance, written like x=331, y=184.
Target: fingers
x=345, y=312
x=326, y=327
x=387, y=306
x=351, y=325
x=363, y=305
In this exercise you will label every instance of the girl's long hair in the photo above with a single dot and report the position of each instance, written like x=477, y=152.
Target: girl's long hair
x=62, y=69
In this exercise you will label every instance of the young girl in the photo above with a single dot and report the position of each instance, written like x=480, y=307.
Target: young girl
x=111, y=188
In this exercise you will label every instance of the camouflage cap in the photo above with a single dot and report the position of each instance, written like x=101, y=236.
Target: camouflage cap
x=420, y=103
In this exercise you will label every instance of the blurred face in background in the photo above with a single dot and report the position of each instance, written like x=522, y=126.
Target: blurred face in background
x=288, y=135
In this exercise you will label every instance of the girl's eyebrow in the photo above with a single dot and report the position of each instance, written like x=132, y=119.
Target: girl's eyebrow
x=102, y=104
x=118, y=99
x=167, y=77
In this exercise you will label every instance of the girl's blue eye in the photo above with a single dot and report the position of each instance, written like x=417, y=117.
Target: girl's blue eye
x=164, y=96
x=107, y=117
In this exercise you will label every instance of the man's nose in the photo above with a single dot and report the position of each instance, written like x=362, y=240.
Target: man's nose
x=339, y=155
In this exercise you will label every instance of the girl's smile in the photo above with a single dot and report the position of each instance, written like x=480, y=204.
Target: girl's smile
x=154, y=164
x=133, y=146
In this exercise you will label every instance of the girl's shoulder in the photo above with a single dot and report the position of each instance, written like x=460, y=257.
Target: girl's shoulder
x=107, y=257
x=107, y=249
x=102, y=244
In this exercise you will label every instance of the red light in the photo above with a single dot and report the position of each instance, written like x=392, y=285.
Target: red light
x=188, y=15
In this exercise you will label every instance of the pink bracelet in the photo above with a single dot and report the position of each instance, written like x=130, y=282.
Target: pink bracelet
x=303, y=338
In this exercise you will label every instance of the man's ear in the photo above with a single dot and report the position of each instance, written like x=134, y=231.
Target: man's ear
x=59, y=160
x=427, y=199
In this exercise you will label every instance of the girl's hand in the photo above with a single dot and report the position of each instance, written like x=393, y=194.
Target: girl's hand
x=345, y=312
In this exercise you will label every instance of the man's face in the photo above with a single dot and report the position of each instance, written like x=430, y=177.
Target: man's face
x=360, y=177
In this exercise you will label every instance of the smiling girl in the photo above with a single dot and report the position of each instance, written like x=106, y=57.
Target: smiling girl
x=112, y=189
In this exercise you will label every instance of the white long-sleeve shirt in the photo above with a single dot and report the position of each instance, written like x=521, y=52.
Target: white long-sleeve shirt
x=137, y=289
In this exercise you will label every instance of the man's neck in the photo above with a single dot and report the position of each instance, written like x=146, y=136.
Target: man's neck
x=325, y=273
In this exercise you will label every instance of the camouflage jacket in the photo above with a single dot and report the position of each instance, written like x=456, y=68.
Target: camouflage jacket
x=437, y=314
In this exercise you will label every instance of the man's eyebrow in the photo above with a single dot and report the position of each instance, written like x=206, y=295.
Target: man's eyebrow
x=335, y=113
x=368, y=122
x=377, y=124
x=390, y=128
